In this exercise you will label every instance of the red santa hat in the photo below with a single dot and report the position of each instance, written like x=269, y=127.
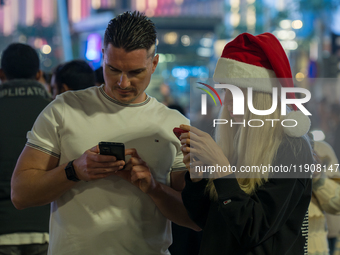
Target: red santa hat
x=257, y=60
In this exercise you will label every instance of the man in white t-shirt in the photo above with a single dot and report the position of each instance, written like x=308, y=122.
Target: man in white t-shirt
x=97, y=207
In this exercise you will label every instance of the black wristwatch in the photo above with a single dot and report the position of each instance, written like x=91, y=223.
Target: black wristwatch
x=70, y=172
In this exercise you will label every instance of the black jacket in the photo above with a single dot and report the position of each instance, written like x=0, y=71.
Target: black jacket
x=21, y=101
x=272, y=221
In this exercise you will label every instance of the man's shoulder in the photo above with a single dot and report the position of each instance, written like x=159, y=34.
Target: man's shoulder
x=170, y=113
x=78, y=95
x=82, y=92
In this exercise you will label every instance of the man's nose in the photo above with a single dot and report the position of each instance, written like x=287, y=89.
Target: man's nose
x=123, y=81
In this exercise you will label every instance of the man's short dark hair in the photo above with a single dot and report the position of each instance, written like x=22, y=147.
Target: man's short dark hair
x=130, y=31
x=76, y=74
x=20, y=61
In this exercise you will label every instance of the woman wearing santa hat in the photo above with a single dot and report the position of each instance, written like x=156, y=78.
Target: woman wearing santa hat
x=254, y=212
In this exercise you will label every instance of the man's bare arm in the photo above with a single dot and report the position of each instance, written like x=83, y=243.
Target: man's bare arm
x=38, y=180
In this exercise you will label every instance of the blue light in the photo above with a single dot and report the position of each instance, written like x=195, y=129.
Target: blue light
x=181, y=82
x=203, y=72
x=194, y=71
x=93, y=47
x=92, y=55
x=180, y=72
x=183, y=72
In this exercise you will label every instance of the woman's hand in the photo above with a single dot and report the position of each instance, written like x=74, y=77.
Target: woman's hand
x=193, y=166
x=203, y=150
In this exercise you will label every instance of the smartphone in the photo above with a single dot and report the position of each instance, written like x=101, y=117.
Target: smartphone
x=114, y=149
x=178, y=132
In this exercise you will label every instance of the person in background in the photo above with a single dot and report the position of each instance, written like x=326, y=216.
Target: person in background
x=325, y=202
x=334, y=119
x=99, y=76
x=22, y=98
x=53, y=85
x=101, y=205
x=45, y=80
x=250, y=212
x=73, y=75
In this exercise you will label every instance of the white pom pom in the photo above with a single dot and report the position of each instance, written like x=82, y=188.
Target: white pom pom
x=302, y=123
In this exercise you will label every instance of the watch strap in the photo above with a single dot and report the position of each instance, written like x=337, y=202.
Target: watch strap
x=70, y=172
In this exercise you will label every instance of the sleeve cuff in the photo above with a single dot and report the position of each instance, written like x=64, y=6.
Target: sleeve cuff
x=179, y=169
x=195, y=185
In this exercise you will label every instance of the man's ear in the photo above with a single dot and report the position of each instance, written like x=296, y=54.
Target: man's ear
x=2, y=76
x=38, y=75
x=65, y=88
x=155, y=62
x=103, y=55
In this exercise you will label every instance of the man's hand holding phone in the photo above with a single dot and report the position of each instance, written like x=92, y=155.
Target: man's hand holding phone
x=138, y=172
x=107, y=159
x=92, y=165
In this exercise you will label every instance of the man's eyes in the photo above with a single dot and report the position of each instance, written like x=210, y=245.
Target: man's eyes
x=137, y=72
x=114, y=70
x=132, y=72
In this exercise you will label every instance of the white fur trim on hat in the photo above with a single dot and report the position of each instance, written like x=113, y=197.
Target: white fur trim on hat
x=229, y=71
x=302, y=127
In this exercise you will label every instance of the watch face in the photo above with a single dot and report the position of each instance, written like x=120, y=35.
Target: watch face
x=70, y=172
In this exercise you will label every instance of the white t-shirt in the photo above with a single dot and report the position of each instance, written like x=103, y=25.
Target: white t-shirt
x=108, y=216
